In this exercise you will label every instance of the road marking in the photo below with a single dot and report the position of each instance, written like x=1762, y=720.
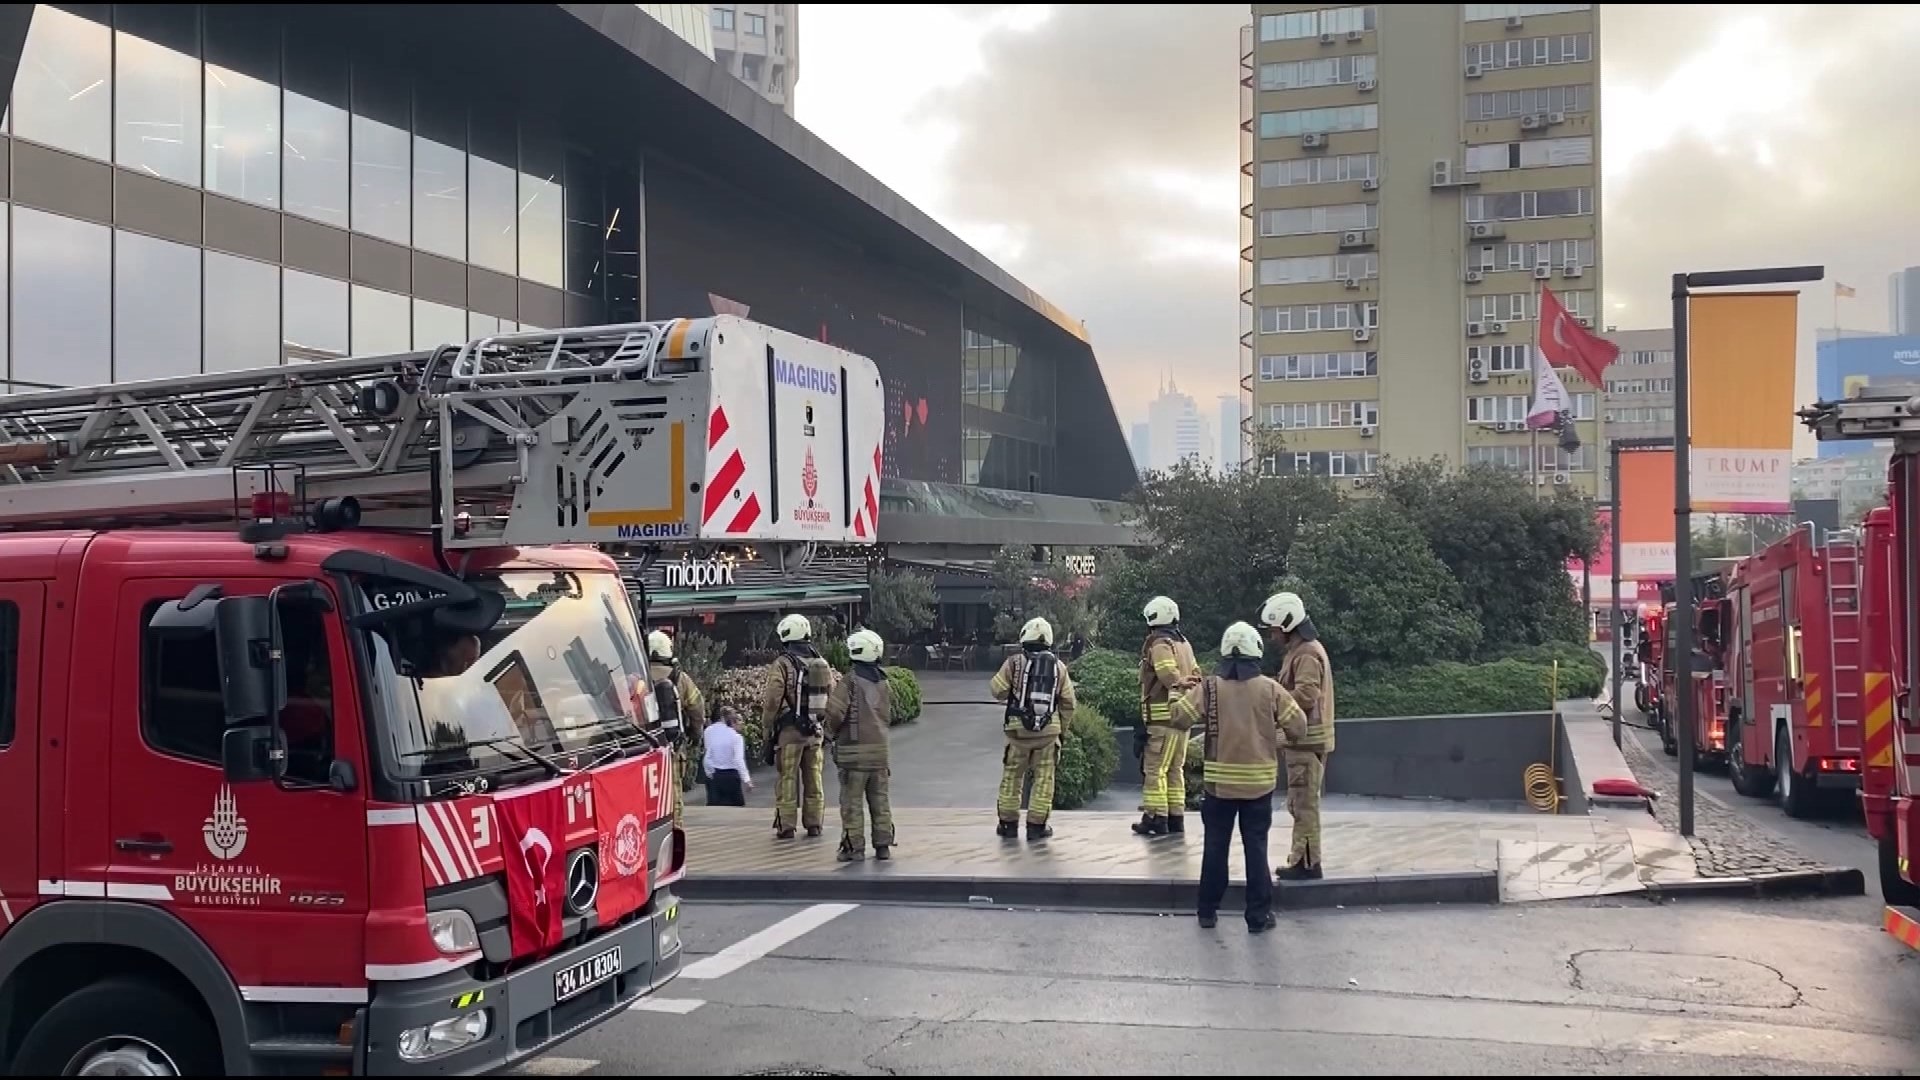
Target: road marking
x=557, y=1066
x=748, y=949
x=676, y=1006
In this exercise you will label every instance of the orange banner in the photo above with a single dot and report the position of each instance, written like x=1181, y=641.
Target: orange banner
x=1644, y=489
x=1741, y=350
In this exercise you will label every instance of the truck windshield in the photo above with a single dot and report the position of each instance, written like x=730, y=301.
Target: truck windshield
x=561, y=672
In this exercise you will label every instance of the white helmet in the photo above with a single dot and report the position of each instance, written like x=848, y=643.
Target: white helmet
x=660, y=645
x=795, y=628
x=1283, y=611
x=1037, y=632
x=1241, y=640
x=1161, y=611
x=865, y=645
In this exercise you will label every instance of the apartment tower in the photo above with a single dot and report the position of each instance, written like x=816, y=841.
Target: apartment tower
x=1413, y=174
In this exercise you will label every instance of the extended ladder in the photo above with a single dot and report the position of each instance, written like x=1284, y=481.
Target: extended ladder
x=1841, y=549
x=509, y=439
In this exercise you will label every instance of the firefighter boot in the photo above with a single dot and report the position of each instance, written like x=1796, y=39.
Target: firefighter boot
x=783, y=834
x=882, y=852
x=1299, y=872
x=1176, y=825
x=849, y=853
x=1038, y=830
x=1151, y=825
x=1008, y=829
x=813, y=832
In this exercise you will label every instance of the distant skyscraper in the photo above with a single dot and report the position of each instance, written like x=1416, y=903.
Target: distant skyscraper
x=1903, y=301
x=1142, y=445
x=1178, y=431
x=1230, y=452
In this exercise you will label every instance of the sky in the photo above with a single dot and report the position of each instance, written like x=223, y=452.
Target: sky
x=1093, y=152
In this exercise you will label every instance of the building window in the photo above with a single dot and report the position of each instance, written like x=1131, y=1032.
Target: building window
x=1303, y=220
x=1280, y=125
x=492, y=234
x=243, y=137
x=756, y=25
x=63, y=93
x=1521, y=205
x=1313, y=268
x=381, y=322
x=750, y=69
x=1306, y=318
x=541, y=210
x=483, y=326
x=1483, y=12
x=1524, y=256
x=62, y=301
x=243, y=313
x=314, y=320
x=1319, y=170
x=1650, y=356
x=316, y=160
x=1531, y=52
x=1500, y=359
x=1532, y=154
x=156, y=308
x=439, y=198
x=1306, y=24
x=1297, y=367
x=1503, y=104
x=1500, y=457
x=722, y=18
x=1300, y=415
x=1326, y=71
x=586, y=227
x=380, y=185
x=1497, y=409
x=435, y=325
x=156, y=110
x=1510, y=307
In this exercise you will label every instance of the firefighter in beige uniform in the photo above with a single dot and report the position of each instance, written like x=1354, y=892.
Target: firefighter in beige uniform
x=793, y=703
x=1308, y=676
x=1037, y=692
x=683, y=713
x=859, y=710
x=1167, y=667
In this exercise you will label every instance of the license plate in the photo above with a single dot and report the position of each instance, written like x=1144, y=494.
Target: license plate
x=576, y=979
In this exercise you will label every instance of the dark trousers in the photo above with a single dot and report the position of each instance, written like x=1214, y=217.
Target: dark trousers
x=1255, y=817
x=723, y=789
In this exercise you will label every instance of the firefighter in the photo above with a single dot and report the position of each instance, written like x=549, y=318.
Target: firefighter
x=1036, y=689
x=1249, y=719
x=1167, y=667
x=1306, y=674
x=859, y=711
x=683, y=713
x=793, y=702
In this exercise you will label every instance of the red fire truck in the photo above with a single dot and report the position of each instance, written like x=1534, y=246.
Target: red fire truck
x=326, y=738
x=1709, y=678
x=1786, y=633
x=1890, y=781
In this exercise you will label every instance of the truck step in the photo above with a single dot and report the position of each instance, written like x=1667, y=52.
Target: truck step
x=306, y=1048
x=1904, y=924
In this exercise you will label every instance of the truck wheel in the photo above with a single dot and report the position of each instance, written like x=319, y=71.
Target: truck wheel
x=1668, y=744
x=1640, y=699
x=121, y=1027
x=1795, y=795
x=1894, y=889
x=1749, y=780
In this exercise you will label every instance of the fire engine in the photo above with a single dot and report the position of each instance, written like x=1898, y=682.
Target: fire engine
x=1890, y=737
x=1709, y=679
x=327, y=743
x=1650, y=650
x=1785, y=637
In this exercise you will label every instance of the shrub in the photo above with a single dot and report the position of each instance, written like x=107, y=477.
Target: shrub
x=1087, y=759
x=1107, y=682
x=1509, y=685
x=904, y=687
x=701, y=657
x=1582, y=671
x=740, y=688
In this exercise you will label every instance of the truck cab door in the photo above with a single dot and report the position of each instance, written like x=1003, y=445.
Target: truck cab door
x=272, y=874
x=20, y=633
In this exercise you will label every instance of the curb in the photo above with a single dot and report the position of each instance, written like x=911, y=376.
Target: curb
x=1131, y=894
x=1825, y=881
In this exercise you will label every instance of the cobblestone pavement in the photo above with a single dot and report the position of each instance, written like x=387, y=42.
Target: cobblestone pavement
x=1725, y=843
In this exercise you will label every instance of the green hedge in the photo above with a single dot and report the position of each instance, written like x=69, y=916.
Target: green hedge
x=740, y=688
x=1107, y=681
x=1582, y=671
x=1087, y=759
x=904, y=685
x=1509, y=685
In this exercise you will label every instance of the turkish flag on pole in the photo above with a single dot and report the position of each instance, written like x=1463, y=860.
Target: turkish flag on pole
x=1568, y=344
x=625, y=798
x=533, y=829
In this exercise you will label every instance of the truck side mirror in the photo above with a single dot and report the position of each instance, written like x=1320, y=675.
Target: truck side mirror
x=253, y=677
x=246, y=753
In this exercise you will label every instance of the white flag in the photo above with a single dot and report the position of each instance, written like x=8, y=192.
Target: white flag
x=1549, y=394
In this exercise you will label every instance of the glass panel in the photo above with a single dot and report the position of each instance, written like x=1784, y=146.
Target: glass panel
x=381, y=322
x=380, y=185
x=479, y=326
x=586, y=226
x=243, y=137
x=156, y=308
x=63, y=89
x=491, y=233
x=157, y=110
x=316, y=144
x=439, y=199
x=435, y=325
x=63, y=317
x=540, y=210
x=315, y=320
x=622, y=244
x=243, y=313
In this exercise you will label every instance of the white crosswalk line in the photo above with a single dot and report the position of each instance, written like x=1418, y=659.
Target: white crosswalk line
x=557, y=1066
x=676, y=1006
x=748, y=949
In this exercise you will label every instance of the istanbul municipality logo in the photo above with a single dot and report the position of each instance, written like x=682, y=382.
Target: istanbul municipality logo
x=225, y=831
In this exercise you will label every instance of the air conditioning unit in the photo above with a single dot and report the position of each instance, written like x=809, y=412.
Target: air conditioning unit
x=1326, y=39
x=1442, y=174
x=1556, y=118
x=1561, y=479
x=1476, y=329
x=1496, y=328
x=1512, y=426
x=1533, y=122
x=1356, y=238
x=1583, y=321
x=1475, y=277
x=1476, y=370
x=1543, y=272
x=1366, y=431
x=1354, y=35
x=1367, y=86
x=1352, y=283
x=1572, y=269
x=1515, y=22
x=1315, y=141
x=1370, y=184
x=1359, y=481
x=1485, y=230
x=1474, y=71
x=1362, y=333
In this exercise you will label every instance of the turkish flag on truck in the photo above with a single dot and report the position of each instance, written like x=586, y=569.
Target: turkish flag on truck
x=1568, y=344
x=626, y=799
x=533, y=828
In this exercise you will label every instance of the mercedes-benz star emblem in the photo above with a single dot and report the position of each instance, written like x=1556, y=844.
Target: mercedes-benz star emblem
x=583, y=881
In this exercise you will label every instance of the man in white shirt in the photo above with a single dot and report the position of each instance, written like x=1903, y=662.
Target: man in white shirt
x=728, y=780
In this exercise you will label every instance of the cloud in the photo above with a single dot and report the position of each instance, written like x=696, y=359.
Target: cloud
x=1094, y=151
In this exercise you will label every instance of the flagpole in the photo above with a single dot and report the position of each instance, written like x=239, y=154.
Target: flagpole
x=1534, y=363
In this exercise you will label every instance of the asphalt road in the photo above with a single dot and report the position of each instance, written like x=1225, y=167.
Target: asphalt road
x=1746, y=988
x=1836, y=836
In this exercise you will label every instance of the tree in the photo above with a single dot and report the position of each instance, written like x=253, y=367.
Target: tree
x=1505, y=542
x=1735, y=536
x=900, y=603
x=1378, y=594
x=1022, y=590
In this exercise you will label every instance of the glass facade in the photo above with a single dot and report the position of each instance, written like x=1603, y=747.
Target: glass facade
x=1007, y=402
x=525, y=229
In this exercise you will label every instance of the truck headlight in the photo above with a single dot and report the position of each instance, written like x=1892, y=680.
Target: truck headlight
x=453, y=932
x=443, y=1036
